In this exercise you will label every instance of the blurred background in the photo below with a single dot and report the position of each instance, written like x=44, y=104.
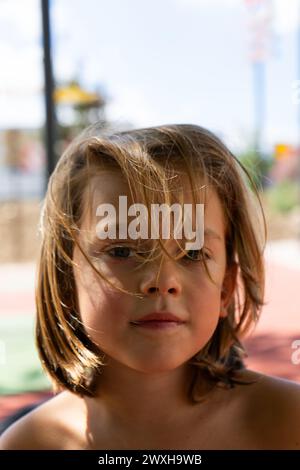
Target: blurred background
x=232, y=66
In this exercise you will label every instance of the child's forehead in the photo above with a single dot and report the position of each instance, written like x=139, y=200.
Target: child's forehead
x=108, y=185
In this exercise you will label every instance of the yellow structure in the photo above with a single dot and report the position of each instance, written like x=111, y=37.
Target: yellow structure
x=283, y=151
x=74, y=95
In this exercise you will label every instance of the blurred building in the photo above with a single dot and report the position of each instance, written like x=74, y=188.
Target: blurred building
x=22, y=158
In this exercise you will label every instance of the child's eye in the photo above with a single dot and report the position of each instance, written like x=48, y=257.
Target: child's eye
x=197, y=255
x=120, y=252
x=126, y=252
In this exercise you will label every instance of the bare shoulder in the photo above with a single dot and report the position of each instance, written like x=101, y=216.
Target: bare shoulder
x=55, y=424
x=272, y=410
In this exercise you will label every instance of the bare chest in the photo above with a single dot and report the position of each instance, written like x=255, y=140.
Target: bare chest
x=205, y=435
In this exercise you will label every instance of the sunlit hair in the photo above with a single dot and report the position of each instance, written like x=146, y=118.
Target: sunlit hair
x=151, y=161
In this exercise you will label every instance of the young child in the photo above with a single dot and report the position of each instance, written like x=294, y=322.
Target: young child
x=140, y=332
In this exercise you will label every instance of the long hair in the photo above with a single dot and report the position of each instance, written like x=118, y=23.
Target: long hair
x=149, y=160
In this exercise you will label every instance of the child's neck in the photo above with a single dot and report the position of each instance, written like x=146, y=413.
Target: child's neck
x=133, y=398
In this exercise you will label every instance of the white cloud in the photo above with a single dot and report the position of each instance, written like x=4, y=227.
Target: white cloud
x=21, y=72
x=286, y=12
x=131, y=105
x=23, y=17
x=208, y=3
x=24, y=111
x=286, y=15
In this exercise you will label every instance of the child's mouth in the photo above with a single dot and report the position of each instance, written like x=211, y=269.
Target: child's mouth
x=158, y=324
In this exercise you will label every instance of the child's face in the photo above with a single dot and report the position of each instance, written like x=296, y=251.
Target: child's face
x=183, y=288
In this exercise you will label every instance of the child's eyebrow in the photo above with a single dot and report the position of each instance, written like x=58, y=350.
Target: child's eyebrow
x=210, y=233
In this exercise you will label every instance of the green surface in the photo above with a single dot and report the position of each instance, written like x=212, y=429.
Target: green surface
x=20, y=369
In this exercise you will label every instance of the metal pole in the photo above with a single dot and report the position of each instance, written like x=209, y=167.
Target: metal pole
x=49, y=88
x=298, y=140
x=259, y=103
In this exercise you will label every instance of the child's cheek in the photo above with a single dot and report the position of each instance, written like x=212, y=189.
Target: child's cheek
x=115, y=270
x=102, y=310
x=202, y=282
x=204, y=297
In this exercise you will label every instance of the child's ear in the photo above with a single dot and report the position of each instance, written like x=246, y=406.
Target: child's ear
x=228, y=287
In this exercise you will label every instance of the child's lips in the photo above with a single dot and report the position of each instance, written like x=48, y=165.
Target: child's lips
x=160, y=317
x=159, y=320
x=158, y=324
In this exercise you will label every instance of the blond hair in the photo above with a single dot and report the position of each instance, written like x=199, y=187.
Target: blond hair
x=148, y=159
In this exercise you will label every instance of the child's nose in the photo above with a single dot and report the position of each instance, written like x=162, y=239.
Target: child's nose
x=163, y=281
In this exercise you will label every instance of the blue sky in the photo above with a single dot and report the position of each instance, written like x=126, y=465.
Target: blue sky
x=159, y=61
